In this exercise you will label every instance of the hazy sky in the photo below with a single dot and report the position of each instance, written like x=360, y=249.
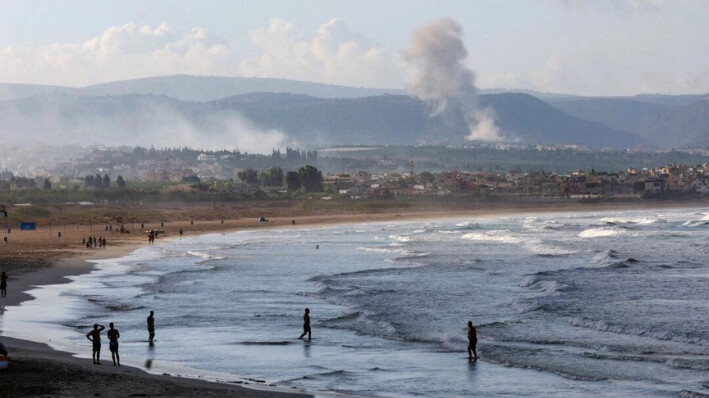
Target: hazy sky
x=593, y=47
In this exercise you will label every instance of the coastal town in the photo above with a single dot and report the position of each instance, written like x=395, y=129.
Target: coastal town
x=224, y=173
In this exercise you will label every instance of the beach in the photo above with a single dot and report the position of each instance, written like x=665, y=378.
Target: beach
x=34, y=258
x=38, y=370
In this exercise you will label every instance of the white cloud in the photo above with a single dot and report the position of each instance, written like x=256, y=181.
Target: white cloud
x=334, y=55
x=120, y=52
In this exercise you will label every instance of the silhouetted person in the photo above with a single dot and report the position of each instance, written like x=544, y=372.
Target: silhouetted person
x=472, y=341
x=151, y=327
x=113, y=336
x=180, y=231
x=95, y=337
x=3, y=284
x=317, y=246
x=293, y=222
x=306, y=324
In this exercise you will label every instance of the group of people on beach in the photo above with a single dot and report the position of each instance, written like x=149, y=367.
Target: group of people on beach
x=113, y=335
x=99, y=242
x=94, y=335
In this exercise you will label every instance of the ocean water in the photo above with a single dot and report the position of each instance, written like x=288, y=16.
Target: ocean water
x=566, y=304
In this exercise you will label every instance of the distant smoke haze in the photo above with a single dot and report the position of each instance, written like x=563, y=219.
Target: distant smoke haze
x=438, y=53
x=131, y=120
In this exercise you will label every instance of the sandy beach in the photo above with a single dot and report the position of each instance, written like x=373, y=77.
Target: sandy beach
x=41, y=257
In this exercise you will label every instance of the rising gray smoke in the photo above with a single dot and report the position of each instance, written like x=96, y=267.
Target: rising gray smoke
x=442, y=79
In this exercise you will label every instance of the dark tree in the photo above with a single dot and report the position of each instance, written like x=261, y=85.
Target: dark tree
x=273, y=177
x=191, y=178
x=427, y=177
x=249, y=176
x=89, y=181
x=638, y=186
x=293, y=181
x=311, y=178
x=106, y=181
x=47, y=184
x=120, y=182
x=98, y=181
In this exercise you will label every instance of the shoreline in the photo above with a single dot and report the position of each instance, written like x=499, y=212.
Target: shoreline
x=25, y=352
x=63, y=371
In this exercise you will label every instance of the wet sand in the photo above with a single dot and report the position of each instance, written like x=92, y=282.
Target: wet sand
x=38, y=371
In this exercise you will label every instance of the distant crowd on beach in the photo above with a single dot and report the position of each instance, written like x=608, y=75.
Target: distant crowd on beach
x=95, y=242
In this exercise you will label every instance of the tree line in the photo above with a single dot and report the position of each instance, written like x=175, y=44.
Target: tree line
x=99, y=182
x=306, y=178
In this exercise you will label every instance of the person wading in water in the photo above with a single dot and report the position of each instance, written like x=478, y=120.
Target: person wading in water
x=306, y=324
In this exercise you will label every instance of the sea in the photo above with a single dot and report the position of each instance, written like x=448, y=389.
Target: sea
x=574, y=304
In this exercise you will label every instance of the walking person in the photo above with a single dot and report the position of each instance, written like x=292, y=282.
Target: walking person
x=3, y=284
x=472, y=341
x=113, y=336
x=306, y=324
x=151, y=327
x=95, y=337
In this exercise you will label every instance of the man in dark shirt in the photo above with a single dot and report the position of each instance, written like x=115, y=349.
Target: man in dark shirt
x=306, y=324
x=151, y=328
x=472, y=341
x=3, y=284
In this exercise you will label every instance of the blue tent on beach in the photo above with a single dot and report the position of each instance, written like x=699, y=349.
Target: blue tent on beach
x=28, y=226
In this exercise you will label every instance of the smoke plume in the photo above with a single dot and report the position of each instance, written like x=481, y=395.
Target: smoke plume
x=438, y=53
x=143, y=120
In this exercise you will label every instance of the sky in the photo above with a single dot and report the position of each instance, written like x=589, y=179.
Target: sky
x=583, y=47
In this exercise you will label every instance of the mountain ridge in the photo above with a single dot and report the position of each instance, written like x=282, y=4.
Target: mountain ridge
x=384, y=119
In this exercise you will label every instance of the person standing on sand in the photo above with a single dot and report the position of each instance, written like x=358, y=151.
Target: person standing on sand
x=95, y=337
x=472, y=341
x=3, y=284
x=180, y=231
x=151, y=327
x=113, y=336
x=306, y=324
